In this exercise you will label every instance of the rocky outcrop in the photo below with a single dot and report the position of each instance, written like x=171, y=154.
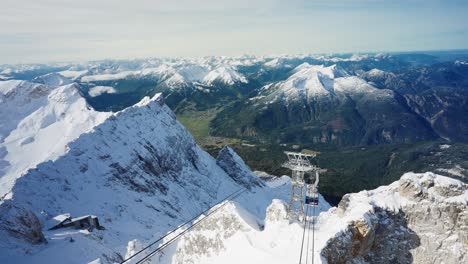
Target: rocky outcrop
x=423, y=218
x=439, y=217
x=384, y=238
x=276, y=212
x=20, y=223
x=235, y=167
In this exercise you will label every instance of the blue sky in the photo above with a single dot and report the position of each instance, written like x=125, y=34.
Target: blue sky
x=77, y=30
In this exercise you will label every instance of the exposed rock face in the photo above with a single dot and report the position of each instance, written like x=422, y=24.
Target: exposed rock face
x=385, y=238
x=133, y=247
x=276, y=212
x=425, y=220
x=20, y=223
x=235, y=167
x=439, y=218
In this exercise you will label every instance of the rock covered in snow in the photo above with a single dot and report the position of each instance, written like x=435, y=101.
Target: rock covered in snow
x=422, y=218
x=20, y=223
x=276, y=212
x=235, y=167
x=133, y=247
x=429, y=186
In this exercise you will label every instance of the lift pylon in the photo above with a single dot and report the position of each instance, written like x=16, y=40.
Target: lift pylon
x=299, y=163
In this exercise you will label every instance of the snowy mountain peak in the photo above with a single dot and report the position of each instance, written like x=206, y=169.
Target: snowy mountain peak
x=22, y=90
x=146, y=100
x=332, y=72
x=224, y=74
x=309, y=82
x=375, y=73
x=53, y=79
x=277, y=62
x=38, y=121
x=66, y=94
x=142, y=152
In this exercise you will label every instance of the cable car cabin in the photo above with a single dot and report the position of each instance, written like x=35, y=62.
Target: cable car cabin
x=310, y=200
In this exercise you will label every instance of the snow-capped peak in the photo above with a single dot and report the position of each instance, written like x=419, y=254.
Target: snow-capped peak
x=53, y=79
x=312, y=81
x=309, y=80
x=375, y=73
x=38, y=121
x=137, y=166
x=331, y=72
x=146, y=100
x=224, y=74
x=8, y=87
x=277, y=62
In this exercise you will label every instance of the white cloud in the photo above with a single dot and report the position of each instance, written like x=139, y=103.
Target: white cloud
x=98, y=90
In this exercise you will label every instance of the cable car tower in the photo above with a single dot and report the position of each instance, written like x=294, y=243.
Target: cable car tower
x=299, y=163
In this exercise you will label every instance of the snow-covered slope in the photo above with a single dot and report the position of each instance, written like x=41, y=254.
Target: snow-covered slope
x=37, y=122
x=139, y=171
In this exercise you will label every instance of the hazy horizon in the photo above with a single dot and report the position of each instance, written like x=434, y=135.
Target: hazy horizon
x=334, y=54
x=60, y=31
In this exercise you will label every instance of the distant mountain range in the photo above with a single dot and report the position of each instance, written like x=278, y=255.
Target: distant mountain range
x=344, y=100
x=383, y=106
